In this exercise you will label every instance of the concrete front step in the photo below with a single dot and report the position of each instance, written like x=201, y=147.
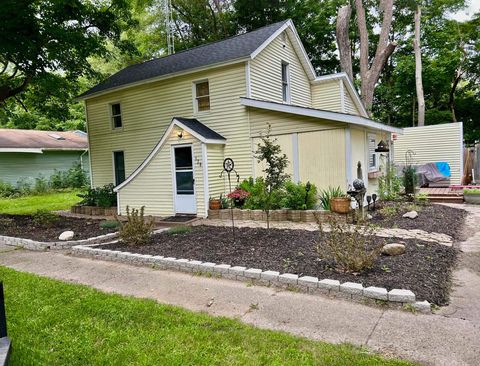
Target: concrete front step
x=446, y=199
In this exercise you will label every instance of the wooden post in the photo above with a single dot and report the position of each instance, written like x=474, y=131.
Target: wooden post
x=3, y=318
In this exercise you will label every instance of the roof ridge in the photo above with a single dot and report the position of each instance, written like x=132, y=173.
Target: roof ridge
x=206, y=44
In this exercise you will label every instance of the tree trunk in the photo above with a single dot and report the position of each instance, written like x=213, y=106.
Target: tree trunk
x=343, y=40
x=418, y=68
x=370, y=75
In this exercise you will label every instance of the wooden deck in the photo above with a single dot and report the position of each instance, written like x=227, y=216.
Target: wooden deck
x=443, y=195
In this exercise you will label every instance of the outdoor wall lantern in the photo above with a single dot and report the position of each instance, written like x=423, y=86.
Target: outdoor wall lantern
x=382, y=147
x=180, y=134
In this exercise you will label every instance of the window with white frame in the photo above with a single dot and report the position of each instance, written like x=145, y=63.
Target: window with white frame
x=116, y=115
x=202, y=96
x=285, y=82
x=372, y=155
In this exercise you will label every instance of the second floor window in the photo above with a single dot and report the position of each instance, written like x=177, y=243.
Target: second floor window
x=285, y=83
x=202, y=96
x=116, y=114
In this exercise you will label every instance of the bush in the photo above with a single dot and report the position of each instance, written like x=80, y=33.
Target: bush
x=329, y=193
x=6, y=189
x=350, y=248
x=109, y=224
x=297, y=198
x=23, y=187
x=99, y=196
x=389, y=184
x=75, y=177
x=409, y=179
x=137, y=230
x=41, y=185
x=44, y=218
x=257, y=194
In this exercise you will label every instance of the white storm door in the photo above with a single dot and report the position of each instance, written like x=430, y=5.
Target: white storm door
x=184, y=182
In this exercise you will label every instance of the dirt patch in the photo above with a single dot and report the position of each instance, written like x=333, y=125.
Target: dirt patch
x=431, y=218
x=23, y=227
x=425, y=268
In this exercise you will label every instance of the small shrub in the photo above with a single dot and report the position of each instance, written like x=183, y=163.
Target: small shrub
x=349, y=247
x=178, y=230
x=44, y=218
x=258, y=196
x=409, y=179
x=472, y=191
x=329, y=193
x=389, y=211
x=136, y=230
x=422, y=199
x=99, y=196
x=389, y=184
x=23, y=188
x=41, y=185
x=75, y=177
x=238, y=196
x=6, y=189
x=109, y=224
x=296, y=197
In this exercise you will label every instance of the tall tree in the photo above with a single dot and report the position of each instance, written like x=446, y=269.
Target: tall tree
x=42, y=36
x=418, y=68
x=370, y=68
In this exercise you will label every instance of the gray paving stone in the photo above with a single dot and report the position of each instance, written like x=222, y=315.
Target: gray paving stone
x=332, y=285
x=308, y=281
x=352, y=288
x=252, y=273
x=378, y=293
x=270, y=276
x=397, y=295
x=288, y=278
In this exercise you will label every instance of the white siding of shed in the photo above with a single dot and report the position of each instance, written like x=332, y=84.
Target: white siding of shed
x=434, y=143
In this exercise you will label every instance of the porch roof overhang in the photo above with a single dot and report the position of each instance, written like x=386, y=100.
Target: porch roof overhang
x=319, y=113
x=193, y=126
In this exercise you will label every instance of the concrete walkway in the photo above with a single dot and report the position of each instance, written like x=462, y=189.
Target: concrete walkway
x=429, y=339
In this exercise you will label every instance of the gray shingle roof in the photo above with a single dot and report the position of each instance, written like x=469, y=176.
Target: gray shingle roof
x=229, y=49
x=35, y=139
x=200, y=128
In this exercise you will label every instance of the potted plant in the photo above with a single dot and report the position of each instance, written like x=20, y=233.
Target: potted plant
x=340, y=204
x=472, y=196
x=238, y=196
x=214, y=203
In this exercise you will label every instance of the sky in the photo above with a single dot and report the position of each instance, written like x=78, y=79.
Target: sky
x=467, y=13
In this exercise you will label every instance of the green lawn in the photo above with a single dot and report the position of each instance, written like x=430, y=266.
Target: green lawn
x=30, y=204
x=55, y=323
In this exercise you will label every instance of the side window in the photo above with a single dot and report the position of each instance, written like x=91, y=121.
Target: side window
x=202, y=96
x=285, y=83
x=119, y=166
x=116, y=115
x=372, y=155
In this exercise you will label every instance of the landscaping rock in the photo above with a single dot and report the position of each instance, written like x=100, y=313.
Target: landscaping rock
x=369, y=217
x=393, y=249
x=66, y=235
x=423, y=307
x=411, y=215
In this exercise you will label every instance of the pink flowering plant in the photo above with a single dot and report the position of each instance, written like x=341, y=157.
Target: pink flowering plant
x=238, y=196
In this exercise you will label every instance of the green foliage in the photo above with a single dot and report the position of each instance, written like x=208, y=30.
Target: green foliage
x=421, y=199
x=109, y=224
x=6, y=189
x=75, y=177
x=44, y=218
x=409, y=179
x=136, y=230
x=389, y=184
x=327, y=194
x=350, y=248
x=85, y=325
x=178, y=230
x=258, y=195
x=296, y=197
x=472, y=191
x=41, y=185
x=99, y=196
x=28, y=205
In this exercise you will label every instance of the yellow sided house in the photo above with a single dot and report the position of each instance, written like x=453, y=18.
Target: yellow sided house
x=160, y=130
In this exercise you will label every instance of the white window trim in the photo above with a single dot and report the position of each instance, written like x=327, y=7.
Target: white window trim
x=110, y=113
x=194, y=96
x=287, y=72
x=372, y=136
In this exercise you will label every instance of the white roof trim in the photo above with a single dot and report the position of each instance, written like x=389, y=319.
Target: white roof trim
x=318, y=113
x=298, y=43
x=159, y=145
x=349, y=84
x=21, y=150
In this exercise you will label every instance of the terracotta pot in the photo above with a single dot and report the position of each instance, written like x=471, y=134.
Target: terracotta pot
x=215, y=204
x=340, y=205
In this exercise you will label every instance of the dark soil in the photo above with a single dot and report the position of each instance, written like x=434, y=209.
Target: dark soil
x=425, y=268
x=431, y=218
x=22, y=226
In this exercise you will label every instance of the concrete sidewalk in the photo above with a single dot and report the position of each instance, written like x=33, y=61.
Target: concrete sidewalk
x=429, y=339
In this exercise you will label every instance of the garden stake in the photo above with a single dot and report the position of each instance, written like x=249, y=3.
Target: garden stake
x=228, y=167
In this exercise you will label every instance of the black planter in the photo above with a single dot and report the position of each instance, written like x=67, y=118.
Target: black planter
x=238, y=202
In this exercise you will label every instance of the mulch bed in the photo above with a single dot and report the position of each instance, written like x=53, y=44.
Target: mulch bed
x=431, y=218
x=22, y=226
x=425, y=268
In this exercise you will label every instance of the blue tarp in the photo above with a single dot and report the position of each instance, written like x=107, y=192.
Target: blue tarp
x=443, y=167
